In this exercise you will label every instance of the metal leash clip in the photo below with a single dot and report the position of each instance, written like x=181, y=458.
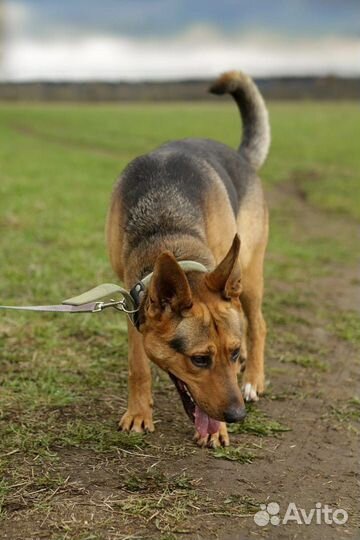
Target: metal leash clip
x=117, y=304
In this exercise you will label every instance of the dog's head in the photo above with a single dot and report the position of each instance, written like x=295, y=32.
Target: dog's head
x=193, y=328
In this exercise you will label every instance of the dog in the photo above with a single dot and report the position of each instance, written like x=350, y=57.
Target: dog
x=197, y=200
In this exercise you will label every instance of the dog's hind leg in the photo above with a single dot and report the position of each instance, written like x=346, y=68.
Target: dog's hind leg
x=138, y=416
x=251, y=300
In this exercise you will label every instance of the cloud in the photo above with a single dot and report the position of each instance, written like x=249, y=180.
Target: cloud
x=165, y=39
x=168, y=17
x=198, y=53
x=16, y=14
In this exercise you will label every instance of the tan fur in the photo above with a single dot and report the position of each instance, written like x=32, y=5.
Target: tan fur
x=256, y=128
x=220, y=224
x=114, y=236
x=138, y=416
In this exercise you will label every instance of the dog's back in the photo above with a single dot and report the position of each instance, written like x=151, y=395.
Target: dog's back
x=185, y=187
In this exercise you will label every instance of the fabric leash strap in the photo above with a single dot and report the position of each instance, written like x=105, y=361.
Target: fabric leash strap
x=92, y=301
x=101, y=291
x=88, y=302
x=60, y=308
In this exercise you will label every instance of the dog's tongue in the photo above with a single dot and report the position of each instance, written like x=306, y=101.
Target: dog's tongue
x=204, y=424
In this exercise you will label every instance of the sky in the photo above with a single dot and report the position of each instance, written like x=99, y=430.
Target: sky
x=172, y=39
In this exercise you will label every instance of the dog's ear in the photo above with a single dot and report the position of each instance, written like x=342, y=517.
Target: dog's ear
x=226, y=277
x=169, y=286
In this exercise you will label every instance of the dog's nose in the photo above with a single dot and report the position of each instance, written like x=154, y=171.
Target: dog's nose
x=234, y=414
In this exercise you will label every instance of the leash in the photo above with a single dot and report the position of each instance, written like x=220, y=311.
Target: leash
x=92, y=301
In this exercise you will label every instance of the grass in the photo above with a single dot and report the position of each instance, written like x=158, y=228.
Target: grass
x=257, y=423
x=45, y=436
x=348, y=411
x=240, y=454
x=305, y=361
x=63, y=378
x=171, y=508
x=346, y=325
x=154, y=479
x=326, y=169
x=165, y=500
x=3, y=493
x=98, y=437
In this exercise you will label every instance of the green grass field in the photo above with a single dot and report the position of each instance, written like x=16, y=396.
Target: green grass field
x=63, y=378
x=58, y=165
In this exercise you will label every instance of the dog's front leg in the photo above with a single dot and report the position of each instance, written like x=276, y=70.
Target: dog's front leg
x=253, y=377
x=138, y=416
x=216, y=440
x=253, y=381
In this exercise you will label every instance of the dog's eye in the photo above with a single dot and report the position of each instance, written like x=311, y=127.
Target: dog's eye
x=202, y=361
x=235, y=355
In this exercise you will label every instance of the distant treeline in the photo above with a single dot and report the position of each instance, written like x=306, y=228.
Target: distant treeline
x=322, y=88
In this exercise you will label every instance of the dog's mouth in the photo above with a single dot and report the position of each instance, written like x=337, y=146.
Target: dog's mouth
x=204, y=424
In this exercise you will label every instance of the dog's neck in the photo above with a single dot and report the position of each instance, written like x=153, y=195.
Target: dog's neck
x=140, y=260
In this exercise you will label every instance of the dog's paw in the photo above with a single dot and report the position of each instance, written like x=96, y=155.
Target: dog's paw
x=252, y=387
x=216, y=440
x=138, y=422
x=249, y=392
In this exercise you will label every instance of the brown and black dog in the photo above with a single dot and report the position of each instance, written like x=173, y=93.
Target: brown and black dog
x=194, y=199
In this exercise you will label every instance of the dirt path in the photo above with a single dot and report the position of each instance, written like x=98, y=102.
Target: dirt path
x=169, y=489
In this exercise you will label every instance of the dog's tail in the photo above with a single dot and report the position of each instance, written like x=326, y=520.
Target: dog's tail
x=255, y=141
